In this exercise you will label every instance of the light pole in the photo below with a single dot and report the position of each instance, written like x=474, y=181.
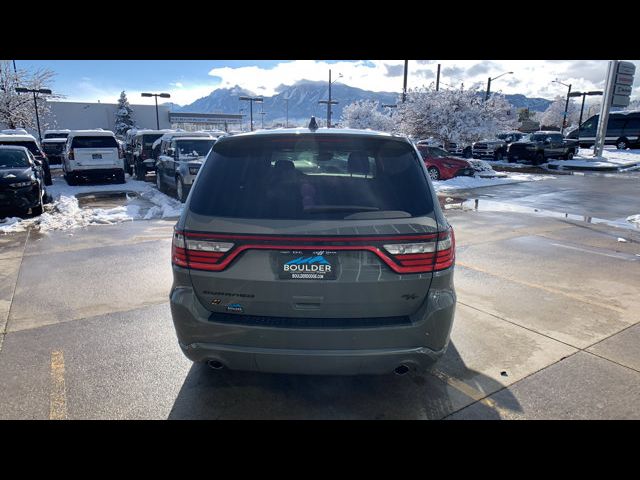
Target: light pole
x=404, y=86
x=45, y=91
x=251, y=100
x=330, y=102
x=286, y=100
x=156, y=95
x=566, y=104
x=489, y=84
x=583, y=95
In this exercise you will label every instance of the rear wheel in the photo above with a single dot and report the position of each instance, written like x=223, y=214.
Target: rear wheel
x=180, y=190
x=498, y=155
x=37, y=210
x=539, y=159
x=47, y=174
x=71, y=179
x=140, y=171
x=467, y=153
x=569, y=156
x=159, y=182
x=622, y=144
x=434, y=173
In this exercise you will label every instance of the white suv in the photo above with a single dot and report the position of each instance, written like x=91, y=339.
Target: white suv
x=92, y=154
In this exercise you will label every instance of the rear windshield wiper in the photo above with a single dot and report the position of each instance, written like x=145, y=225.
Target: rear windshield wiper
x=339, y=208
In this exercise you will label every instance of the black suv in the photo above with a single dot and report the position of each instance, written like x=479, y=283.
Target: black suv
x=540, y=146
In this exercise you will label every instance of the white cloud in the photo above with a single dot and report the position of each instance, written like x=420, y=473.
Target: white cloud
x=532, y=78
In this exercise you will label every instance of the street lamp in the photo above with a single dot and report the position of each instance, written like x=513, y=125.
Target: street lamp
x=156, y=95
x=330, y=102
x=489, y=84
x=251, y=100
x=566, y=105
x=45, y=91
x=583, y=94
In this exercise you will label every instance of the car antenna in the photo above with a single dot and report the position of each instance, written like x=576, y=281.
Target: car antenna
x=313, y=125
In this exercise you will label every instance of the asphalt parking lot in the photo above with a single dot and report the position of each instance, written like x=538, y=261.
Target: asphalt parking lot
x=546, y=325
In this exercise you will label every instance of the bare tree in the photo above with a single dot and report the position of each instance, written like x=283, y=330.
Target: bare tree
x=17, y=110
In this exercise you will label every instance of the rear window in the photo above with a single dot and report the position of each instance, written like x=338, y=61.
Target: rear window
x=94, y=142
x=52, y=147
x=56, y=135
x=31, y=145
x=312, y=177
x=194, y=147
x=147, y=140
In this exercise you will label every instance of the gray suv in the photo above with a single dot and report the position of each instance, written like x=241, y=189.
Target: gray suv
x=313, y=252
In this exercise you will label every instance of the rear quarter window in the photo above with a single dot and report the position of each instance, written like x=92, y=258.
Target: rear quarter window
x=94, y=142
x=311, y=177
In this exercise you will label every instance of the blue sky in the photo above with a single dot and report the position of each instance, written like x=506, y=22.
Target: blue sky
x=188, y=80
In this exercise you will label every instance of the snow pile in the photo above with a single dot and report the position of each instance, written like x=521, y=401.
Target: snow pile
x=611, y=158
x=65, y=212
x=11, y=224
x=635, y=219
x=464, y=183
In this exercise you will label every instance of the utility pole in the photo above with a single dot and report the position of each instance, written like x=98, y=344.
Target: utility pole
x=251, y=100
x=329, y=102
x=486, y=97
x=286, y=100
x=438, y=79
x=404, y=87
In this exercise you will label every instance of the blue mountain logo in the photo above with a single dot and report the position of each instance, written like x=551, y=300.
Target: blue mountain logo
x=308, y=261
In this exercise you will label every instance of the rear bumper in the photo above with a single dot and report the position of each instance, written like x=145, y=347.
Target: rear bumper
x=314, y=350
x=313, y=362
x=95, y=172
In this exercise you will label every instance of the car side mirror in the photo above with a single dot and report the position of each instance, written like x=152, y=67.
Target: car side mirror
x=38, y=162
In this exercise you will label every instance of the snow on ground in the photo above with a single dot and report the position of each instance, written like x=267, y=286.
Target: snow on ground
x=624, y=160
x=65, y=212
x=635, y=219
x=464, y=183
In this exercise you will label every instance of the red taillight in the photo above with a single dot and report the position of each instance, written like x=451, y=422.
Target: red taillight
x=197, y=253
x=214, y=252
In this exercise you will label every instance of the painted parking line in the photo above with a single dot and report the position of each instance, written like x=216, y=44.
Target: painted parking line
x=470, y=392
x=58, y=410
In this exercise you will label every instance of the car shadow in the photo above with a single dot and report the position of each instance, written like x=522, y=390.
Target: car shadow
x=224, y=394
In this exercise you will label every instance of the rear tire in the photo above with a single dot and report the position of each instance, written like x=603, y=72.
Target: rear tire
x=140, y=172
x=622, y=144
x=539, y=159
x=71, y=179
x=180, y=190
x=47, y=174
x=159, y=182
x=467, y=153
x=434, y=173
x=569, y=156
x=498, y=156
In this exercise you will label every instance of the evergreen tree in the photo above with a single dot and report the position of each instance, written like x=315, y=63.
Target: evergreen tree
x=123, y=115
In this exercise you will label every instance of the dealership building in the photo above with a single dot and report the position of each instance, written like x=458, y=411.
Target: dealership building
x=83, y=116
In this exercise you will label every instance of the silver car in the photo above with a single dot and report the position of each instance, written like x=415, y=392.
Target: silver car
x=313, y=252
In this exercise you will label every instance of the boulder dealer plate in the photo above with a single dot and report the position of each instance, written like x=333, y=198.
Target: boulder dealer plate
x=307, y=264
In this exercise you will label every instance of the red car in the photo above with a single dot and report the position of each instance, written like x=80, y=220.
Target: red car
x=441, y=165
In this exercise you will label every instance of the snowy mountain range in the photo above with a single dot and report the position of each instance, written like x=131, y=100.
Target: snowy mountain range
x=302, y=101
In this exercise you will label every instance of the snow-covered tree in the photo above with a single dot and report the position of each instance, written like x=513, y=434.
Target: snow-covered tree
x=634, y=105
x=17, y=110
x=454, y=115
x=554, y=114
x=364, y=114
x=123, y=115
